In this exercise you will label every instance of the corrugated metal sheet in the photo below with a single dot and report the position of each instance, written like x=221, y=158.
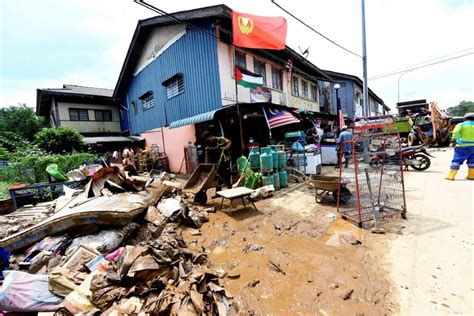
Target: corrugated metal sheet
x=195, y=56
x=158, y=40
x=203, y=117
x=112, y=139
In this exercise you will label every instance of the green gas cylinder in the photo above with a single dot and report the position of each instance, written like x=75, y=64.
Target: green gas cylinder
x=276, y=181
x=254, y=158
x=281, y=158
x=275, y=157
x=283, y=178
x=267, y=180
x=266, y=160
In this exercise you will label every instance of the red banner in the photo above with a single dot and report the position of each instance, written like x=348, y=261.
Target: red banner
x=252, y=31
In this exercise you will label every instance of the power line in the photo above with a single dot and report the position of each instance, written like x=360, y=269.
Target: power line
x=423, y=66
x=197, y=29
x=314, y=30
x=178, y=20
x=422, y=63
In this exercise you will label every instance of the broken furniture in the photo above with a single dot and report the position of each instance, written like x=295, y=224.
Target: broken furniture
x=40, y=189
x=234, y=194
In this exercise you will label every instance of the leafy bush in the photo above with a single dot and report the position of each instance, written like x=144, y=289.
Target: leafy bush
x=462, y=108
x=33, y=169
x=4, y=154
x=59, y=140
x=12, y=141
x=21, y=121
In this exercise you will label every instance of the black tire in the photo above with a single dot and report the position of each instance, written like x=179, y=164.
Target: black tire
x=201, y=198
x=426, y=162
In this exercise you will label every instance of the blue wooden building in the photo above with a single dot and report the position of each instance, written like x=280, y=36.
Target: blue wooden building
x=350, y=95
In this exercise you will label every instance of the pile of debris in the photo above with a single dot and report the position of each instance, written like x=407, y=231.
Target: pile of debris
x=113, y=248
x=25, y=217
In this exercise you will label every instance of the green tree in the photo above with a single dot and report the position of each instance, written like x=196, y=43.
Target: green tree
x=21, y=121
x=59, y=140
x=462, y=108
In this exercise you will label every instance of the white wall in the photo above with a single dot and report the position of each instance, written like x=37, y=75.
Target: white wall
x=90, y=126
x=228, y=89
x=304, y=103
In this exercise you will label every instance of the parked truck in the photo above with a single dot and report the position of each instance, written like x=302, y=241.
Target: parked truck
x=426, y=121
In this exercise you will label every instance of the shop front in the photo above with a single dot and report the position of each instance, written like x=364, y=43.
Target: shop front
x=259, y=125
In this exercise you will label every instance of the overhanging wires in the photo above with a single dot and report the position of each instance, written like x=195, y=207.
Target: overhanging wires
x=314, y=30
x=421, y=63
x=197, y=29
x=423, y=66
x=176, y=19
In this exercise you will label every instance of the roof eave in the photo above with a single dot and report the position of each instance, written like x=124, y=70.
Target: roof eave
x=194, y=14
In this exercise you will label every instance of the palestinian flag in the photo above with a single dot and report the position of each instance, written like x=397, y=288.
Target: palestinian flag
x=247, y=79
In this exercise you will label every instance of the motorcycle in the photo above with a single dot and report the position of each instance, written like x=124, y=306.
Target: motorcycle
x=415, y=157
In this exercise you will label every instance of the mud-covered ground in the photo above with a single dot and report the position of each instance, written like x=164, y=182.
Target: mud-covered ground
x=295, y=256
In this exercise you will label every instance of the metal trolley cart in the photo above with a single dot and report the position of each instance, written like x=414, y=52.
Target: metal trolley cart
x=377, y=188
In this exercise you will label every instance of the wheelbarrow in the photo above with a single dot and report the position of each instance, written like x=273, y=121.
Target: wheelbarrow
x=202, y=179
x=326, y=185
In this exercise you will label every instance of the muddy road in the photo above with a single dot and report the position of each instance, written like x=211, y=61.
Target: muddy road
x=429, y=256
x=294, y=256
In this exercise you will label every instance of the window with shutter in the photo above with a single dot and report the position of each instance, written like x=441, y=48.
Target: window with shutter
x=147, y=100
x=295, y=86
x=240, y=60
x=313, y=93
x=259, y=68
x=103, y=115
x=304, y=89
x=276, y=79
x=174, y=86
x=78, y=114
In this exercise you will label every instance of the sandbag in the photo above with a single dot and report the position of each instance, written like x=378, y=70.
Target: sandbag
x=24, y=292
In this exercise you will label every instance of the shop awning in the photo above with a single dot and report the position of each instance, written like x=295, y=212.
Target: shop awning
x=203, y=117
x=112, y=139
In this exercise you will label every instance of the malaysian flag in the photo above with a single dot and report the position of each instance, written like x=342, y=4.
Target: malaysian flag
x=276, y=118
x=289, y=68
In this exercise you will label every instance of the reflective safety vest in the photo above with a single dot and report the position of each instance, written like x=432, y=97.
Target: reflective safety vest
x=463, y=134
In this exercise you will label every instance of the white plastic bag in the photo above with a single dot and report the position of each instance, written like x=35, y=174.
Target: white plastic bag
x=104, y=241
x=24, y=292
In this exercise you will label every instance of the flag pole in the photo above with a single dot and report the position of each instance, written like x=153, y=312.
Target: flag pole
x=238, y=109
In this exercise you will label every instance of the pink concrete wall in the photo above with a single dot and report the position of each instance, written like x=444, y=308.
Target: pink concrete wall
x=174, y=142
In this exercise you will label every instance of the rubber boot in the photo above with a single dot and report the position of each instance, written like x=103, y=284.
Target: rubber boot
x=470, y=174
x=451, y=175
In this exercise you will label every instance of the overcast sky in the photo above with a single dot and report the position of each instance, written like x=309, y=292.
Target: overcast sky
x=50, y=42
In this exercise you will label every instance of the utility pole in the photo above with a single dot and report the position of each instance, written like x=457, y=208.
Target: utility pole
x=400, y=77
x=364, y=63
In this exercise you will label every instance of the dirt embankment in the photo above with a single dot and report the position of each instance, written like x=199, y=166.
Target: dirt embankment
x=293, y=256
